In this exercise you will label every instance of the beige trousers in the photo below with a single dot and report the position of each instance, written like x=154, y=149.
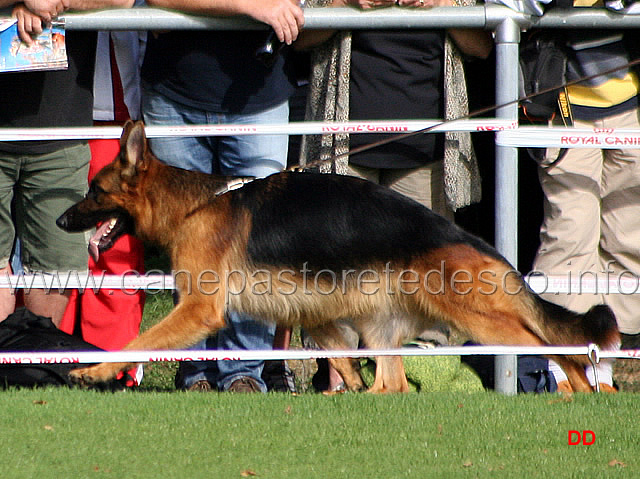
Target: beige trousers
x=591, y=226
x=424, y=185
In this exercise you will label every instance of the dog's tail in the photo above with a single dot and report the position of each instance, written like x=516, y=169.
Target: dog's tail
x=561, y=326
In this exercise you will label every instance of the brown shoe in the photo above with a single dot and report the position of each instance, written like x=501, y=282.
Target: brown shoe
x=202, y=386
x=244, y=384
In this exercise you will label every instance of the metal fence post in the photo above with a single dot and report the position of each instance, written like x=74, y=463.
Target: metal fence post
x=507, y=38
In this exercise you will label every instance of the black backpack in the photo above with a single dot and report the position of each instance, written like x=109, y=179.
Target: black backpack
x=543, y=66
x=25, y=331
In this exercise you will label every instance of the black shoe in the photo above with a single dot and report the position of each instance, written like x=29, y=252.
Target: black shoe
x=278, y=377
x=320, y=380
x=630, y=341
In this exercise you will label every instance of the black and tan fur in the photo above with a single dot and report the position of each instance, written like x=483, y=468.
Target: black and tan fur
x=286, y=238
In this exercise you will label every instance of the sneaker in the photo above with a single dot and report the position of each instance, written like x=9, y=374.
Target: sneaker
x=279, y=377
x=244, y=384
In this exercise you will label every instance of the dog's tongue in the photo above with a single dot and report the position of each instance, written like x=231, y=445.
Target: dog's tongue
x=95, y=240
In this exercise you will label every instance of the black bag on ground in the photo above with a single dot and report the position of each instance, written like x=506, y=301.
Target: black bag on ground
x=25, y=331
x=533, y=372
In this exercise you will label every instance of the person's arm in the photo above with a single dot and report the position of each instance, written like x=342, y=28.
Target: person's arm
x=45, y=9
x=33, y=14
x=99, y=4
x=313, y=38
x=284, y=16
x=472, y=42
x=476, y=43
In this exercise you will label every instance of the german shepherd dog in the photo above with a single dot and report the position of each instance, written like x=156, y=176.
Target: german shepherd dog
x=308, y=249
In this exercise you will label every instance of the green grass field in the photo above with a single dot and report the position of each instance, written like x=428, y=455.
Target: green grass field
x=58, y=433
x=157, y=432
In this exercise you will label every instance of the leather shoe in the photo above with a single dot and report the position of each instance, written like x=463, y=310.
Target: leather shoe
x=244, y=384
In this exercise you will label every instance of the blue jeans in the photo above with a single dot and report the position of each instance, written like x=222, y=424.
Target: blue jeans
x=249, y=155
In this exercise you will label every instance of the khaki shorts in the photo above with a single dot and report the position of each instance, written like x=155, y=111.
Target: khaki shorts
x=42, y=187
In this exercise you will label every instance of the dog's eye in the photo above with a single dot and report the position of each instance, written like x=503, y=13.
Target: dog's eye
x=94, y=191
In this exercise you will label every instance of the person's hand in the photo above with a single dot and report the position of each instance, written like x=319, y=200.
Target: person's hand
x=369, y=4
x=284, y=16
x=29, y=24
x=47, y=9
x=425, y=3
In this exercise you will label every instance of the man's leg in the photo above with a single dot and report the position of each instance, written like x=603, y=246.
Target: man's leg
x=7, y=297
x=259, y=156
x=193, y=154
x=621, y=225
x=188, y=153
x=50, y=184
x=50, y=304
x=570, y=232
x=9, y=173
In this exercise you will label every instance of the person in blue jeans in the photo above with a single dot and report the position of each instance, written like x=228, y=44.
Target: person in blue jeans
x=215, y=77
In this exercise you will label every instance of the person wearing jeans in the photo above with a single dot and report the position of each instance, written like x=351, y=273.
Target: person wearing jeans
x=212, y=77
x=249, y=155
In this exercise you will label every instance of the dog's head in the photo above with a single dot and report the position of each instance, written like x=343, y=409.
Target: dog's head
x=110, y=201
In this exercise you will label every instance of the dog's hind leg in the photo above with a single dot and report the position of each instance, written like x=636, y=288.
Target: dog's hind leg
x=386, y=331
x=575, y=373
x=390, y=376
x=507, y=329
x=331, y=336
x=188, y=323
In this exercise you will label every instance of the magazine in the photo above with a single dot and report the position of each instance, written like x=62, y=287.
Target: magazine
x=47, y=52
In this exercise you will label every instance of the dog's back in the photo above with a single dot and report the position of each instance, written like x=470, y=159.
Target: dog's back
x=335, y=222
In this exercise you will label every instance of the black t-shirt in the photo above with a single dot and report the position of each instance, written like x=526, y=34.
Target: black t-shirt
x=396, y=74
x=50, y=98
x=216, y=71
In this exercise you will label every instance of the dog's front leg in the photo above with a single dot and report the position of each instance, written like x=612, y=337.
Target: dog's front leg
x=187, y=324
x=390, y=376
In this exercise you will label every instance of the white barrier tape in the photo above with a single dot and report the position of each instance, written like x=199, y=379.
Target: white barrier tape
x=294, y=128
x=543, y=137
x=622, y=283
x=81, y=357
x=54, y=282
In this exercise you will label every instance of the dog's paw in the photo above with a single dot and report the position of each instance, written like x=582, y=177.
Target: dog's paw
x=92, y=375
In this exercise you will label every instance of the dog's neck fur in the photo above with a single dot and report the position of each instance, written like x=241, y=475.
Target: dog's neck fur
x=166, y=212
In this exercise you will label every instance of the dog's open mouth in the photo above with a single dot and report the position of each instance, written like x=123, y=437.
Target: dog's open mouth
x=106, y=235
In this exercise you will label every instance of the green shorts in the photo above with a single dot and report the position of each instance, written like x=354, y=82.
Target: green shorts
x=42, y=187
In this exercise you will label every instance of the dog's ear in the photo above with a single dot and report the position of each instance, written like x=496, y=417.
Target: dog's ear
x=134, y=149
x=126, y=131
